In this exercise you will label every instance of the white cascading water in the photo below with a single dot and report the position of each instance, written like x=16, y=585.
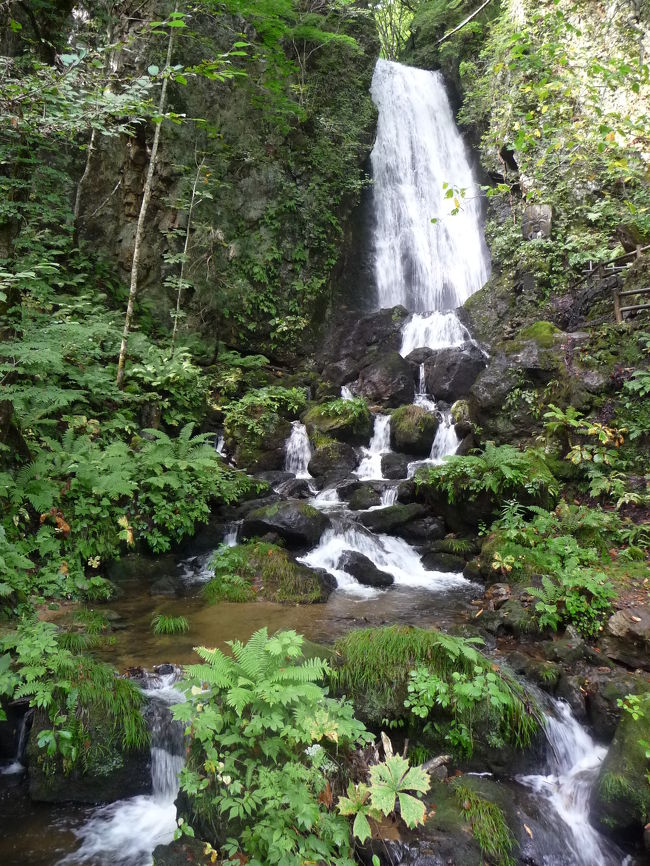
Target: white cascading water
x=298, y=451
x=421, y=397
x=433, y=331
x=17, y=766
x=370, y=466
x=425, y=266
x=388, y=553
x=388, y=497
x=126, y=832
x=346, y=393
x=567, y=789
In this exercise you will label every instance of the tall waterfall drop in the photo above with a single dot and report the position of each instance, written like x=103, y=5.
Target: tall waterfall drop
x=425, y=266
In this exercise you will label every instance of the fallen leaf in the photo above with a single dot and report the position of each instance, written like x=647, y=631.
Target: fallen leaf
x=528, y=830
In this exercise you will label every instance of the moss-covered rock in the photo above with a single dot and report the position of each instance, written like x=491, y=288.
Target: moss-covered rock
x=329, y=456
x=347, y=420
x=621, y=796
x=389, y=519
x=543, y=333
x=365, y=496
x=296, y=522
x=412, y=430
x=262, y=570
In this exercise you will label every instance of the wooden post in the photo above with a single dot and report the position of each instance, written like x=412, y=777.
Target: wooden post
x=617, y=307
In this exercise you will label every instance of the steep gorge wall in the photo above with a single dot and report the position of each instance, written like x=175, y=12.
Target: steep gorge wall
x=281, y=170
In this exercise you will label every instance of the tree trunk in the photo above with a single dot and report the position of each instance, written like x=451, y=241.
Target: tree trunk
x=146, y=196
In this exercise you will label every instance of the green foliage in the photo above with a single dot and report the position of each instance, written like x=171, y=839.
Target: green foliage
x=161, y=624
x=489, y=826
x=577, y=596
x=500, y=471
x=257, y=412
x=257, y=568
x=75, y=694
x=394, y=668
x=264, y=741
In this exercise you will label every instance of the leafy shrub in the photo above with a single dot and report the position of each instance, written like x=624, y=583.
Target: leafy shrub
x=489, y=826
x=174, y=384
x=575, y=596
x=75, y=693
x=499, y=471
x=265, y=743
x=257, y=412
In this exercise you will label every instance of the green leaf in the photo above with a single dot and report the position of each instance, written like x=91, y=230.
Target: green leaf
x=412, y=810
x=361, y=827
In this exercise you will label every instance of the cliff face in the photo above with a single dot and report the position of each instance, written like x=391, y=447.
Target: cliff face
x=276, y=170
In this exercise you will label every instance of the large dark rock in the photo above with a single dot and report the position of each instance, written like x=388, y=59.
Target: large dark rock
x=604, y=688
x=388, y=381
x=331, y=456
x=394, y=466
x=412, y=430
x=265, y=455
x=350, y=344
x=387, y=520
x=425, y=529
x=294, y=521
x=627, y=637
x=363, y=569
x=436, y=560
x=450, y=373
x=365, y=496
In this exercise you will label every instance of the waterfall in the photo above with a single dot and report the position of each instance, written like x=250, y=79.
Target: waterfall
x=435, y=331
x=567, y=788
x=421, y=397
x=446, y=441
x=370, y=466
x=346, y=393
x=17, y=766
x=298, y=451
x=126, y=832
x=423, y=265
x=388, y=497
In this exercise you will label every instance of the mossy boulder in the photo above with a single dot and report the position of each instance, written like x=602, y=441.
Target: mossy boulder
x=365, y=496
x=296, y=522
x=347, y=420
x=391, y=518
x=257, y=454
x=329, y=456
x=543, y=333
x=394, y=466
x=258, y=569
x=621, y=796
x=412, y=430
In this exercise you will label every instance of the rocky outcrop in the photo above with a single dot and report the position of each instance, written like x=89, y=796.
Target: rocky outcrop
x=450, y=373
x=390, y=519
x=296, y=522
x=387, y=382
x=412, y=430
x=627, y=637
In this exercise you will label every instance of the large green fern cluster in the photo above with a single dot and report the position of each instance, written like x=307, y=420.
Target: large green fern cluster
x=500, y=471
x=265, y=737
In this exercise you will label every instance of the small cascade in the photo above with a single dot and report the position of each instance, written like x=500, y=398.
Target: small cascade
x=446, y=441
x=232, y=533
x=370, y=466
x=326, y=499
x=421, y=397
x=219, y=443
x=433, y=331
x=298, y=451
x=125, y=833
x=387, y=552
x=346, y=393
x=567, y=788
x=17, y=766
x=388, y=497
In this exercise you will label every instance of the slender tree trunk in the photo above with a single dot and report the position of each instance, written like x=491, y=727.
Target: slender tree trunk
x=146, y=196
x=179, y=293
x=463, y=23
x=82, y=179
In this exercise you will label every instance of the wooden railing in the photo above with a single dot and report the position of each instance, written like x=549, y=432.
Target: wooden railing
x=614, y=267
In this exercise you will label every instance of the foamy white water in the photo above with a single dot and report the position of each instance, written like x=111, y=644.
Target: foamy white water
x=126, y=832
x=419, y=264
x=370, y=466
x=389, y=554
x=421, y=397
x=433, y=331
x=567, y=789
x=298, y=451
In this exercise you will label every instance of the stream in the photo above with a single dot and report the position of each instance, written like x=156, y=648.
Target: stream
x=431, y=269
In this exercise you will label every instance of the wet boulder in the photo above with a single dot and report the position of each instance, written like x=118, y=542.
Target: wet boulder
x=424, y=529
x=387, y=520
x=436, y=560
x=604, y=688
x=364, y=570
x=365, y=496
x=394, y=466
x=260, y=454
x=412, y=430
x=387, y=381
x=297, y=523
x=451, y=372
